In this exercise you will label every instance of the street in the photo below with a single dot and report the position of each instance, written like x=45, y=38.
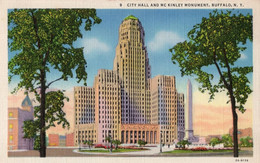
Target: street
x=153, y=152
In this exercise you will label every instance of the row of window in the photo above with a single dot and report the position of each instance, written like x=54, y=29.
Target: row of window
x=85, y=92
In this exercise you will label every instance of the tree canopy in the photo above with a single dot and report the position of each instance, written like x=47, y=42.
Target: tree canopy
x=215, y=141
x=246, y=142
x=227, y=140
x=183, y=143
x=141, y=142
x=43, y=40
x=116, y=143
x=218, y=42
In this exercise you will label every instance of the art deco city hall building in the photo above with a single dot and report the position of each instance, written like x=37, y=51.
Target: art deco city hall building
x=125, y=103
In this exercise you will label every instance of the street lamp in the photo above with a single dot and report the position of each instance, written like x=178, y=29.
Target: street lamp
x=160, y=141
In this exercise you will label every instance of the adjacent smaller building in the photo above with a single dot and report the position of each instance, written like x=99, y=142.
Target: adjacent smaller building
x=69, y=139
x=16, y=117
x=131, y=133
x=54, y=140
x=180, y=116
x=241, y=133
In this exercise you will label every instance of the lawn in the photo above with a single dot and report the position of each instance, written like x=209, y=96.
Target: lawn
x=114, y=150
x=208, y=151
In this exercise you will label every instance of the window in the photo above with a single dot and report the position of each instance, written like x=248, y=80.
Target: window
x=10, y=127
x=11, y=138
x=11, y=115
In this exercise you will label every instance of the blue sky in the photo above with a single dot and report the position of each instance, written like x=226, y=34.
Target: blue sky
x=163, y=29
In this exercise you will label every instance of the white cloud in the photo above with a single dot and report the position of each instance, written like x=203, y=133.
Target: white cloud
x=164, y=39
x=94, y=45
x=243, y=56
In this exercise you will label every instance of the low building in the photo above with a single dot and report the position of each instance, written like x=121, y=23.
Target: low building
x=69, y=139
x=202, y=142
x=62, y=140
x=16, y=117
x=54, y=140
x=241, y=133
x=131, y=133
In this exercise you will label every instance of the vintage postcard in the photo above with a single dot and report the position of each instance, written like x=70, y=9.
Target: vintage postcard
x=148, y=81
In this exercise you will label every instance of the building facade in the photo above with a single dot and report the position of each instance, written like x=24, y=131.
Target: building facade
x=164, y=107
x=69, y=139
x=242, y=133
x=181, y=116
x=54, y=139
x=16, y=117
x=125, y=103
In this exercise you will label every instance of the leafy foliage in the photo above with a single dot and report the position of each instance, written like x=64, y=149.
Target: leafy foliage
x=53, y=112
x=30, y=128
x=183, y=143
x=47, y=35
x=36, y=144
x=214, y=141
x=246, y=142
x=217, y=40
x=31, y=131
x=227, y=140
x=142, y=143
x=116, y=143
x=43, y=41
x=89, y=143
x=108, y=139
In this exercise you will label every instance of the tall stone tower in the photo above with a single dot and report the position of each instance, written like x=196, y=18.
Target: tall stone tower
x=132, y=65
x=125, y=103
x=189, y=105
x=189, y=132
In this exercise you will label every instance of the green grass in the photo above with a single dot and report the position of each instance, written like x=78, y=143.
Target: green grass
x=190, y=151
x=107, y=151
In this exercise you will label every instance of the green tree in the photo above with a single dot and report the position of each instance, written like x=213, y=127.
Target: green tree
x=142, y=143
x=227, y=140
x=246, y=142
x=89, y=143
x=30, y=129
x=30, y=132
x=36, y=144
x=116, y=143
x=183, y=143
x=217, y=42
x=109, y=140
x=43, y=40
x=53, y=114
x=214, y=141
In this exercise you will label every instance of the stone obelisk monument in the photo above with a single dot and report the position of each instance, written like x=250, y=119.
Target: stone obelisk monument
x=189, y=126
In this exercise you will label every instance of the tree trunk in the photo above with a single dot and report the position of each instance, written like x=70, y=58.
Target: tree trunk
x=42, y=119
x=235, y=119
x=111, y=147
